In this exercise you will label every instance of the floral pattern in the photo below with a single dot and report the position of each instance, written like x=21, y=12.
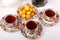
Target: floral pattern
x=31, y=34
x=48, y=21
x=9, y=27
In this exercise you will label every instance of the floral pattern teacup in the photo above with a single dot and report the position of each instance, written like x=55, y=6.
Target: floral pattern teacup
x=9, y=23
x=49, y=17
x=31, y=29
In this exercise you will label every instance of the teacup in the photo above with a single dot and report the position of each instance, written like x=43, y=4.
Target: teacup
x=9, y=23
x=49, y=17
x=31, y=29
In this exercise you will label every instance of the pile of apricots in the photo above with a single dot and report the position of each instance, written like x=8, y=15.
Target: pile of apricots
x=27, y=11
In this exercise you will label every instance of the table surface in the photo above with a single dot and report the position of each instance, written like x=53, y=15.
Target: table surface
x=49, y=33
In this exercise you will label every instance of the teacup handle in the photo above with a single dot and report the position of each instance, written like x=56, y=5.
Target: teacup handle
x=56, y=18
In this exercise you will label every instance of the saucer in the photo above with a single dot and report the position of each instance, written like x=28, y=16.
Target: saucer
x=25, y=32
x=48, y=22
x=10, y=27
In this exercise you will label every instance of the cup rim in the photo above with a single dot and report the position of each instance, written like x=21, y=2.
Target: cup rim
x=51, y=10
x=34, y=22
x=11, y=15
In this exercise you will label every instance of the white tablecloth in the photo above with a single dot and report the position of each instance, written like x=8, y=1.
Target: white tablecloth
x=49, y=33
